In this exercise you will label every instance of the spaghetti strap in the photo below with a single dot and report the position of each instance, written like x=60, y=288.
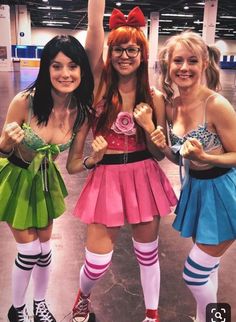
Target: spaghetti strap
x=205, y=107
x=30, y=109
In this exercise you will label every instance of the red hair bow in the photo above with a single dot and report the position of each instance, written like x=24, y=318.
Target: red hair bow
x=135, y=18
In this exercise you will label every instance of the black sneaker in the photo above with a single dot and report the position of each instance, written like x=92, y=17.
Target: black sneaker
x=19, y=314
x=41, y=312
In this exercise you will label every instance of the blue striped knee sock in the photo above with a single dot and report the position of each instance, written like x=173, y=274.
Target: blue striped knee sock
x=199, y=276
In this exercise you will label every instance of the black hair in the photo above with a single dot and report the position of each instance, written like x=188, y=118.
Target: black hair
x=41, y=87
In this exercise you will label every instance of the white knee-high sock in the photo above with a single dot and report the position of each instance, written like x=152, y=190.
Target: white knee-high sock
x=93, y=269
x=197, y=275
x=147, y=257
x=214, y=277
x=41, y=271
x=28, y=255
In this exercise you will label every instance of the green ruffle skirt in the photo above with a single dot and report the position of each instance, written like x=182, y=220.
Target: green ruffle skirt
x=24, y=203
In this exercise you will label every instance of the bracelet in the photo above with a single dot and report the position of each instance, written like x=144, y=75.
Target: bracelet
x=85, y=165
x=6, y=154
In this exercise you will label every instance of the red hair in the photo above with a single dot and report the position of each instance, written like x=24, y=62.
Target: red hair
x=113, y=98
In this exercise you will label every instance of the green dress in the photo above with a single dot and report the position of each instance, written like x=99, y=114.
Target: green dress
x=31, y=197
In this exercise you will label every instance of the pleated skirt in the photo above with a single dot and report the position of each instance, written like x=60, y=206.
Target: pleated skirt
x=206, y=209
x=24, y=203
x=133, y=193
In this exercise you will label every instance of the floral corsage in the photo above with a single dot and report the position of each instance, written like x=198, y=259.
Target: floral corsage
x=124, y=124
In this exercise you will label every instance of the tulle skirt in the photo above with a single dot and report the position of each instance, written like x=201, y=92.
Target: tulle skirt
x=133, y=192
x=207, y=209
x=23, y=201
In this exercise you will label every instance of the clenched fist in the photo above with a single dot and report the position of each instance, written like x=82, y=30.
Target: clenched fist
x=12, y=134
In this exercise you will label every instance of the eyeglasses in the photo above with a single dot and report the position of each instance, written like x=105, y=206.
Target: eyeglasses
x=131, y=52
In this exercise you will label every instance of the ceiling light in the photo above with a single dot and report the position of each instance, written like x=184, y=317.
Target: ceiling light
x=56, y=22
x=44, y=8
x=48, y=8
x=118, y=4
x=54, y=25
x=56, y=8
x=225, y=29
x=177, y=15
x=198, y=22
x=184, y=27
x=186, y=7
x=201, y=3
x=227, y=17
x=173, y=29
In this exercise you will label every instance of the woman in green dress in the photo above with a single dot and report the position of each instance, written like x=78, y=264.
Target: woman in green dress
x=41, y=122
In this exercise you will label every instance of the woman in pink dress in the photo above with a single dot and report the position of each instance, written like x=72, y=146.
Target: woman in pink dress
x=125, y=183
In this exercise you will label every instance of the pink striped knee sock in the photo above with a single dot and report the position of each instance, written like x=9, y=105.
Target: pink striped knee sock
x=94, y=268
x=147, y=256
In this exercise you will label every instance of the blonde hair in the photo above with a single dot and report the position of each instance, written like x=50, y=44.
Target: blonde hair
x=193, y=42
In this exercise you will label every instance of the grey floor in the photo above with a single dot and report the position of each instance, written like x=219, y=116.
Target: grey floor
x=117, y=297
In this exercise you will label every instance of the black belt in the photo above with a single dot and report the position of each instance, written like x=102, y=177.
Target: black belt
x=209, y=173
x=125, y=157
x=20, y=163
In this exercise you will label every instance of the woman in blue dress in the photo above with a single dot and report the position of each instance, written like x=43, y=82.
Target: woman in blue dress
x=202, y=131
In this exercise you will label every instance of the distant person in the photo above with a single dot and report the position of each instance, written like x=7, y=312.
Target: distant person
x=126, y=184
x=202, y=132
x=41, y=122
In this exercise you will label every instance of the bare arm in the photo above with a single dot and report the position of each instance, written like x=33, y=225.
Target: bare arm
x=95, y=37
x=75, y=156
x=223, y=117
x=75, y=159
x=12, y=134
x=159, y=135
x=143, y=115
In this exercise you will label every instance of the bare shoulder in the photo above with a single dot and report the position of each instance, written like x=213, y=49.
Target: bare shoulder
x=22, y=98
x=218, y=104
x=19, y=107
x=220, y=111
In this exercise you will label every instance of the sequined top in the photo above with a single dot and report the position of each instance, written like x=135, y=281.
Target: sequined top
x=208, y=139
x=122, y=134
x=33, y=142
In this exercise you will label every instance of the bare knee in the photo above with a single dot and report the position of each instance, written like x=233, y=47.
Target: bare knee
x=101, y=239
x=216, y=250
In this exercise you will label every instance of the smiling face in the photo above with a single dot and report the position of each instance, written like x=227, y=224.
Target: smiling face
x=65, y=75
x=127, y=63
x=186, y=67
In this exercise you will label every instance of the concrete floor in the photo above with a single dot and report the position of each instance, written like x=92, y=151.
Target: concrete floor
x=117, y=297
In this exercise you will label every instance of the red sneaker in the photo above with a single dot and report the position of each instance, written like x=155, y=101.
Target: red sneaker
x=80, y=311
x=152, y=316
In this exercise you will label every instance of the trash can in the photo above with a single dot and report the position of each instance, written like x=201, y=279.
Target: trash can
x=16, y=64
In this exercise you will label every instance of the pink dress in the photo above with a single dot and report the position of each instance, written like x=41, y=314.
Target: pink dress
x=115, y=194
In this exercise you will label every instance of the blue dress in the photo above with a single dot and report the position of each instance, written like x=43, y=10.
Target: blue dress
x=206, y=210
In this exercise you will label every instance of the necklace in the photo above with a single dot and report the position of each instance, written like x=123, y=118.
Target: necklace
x=62, y=119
